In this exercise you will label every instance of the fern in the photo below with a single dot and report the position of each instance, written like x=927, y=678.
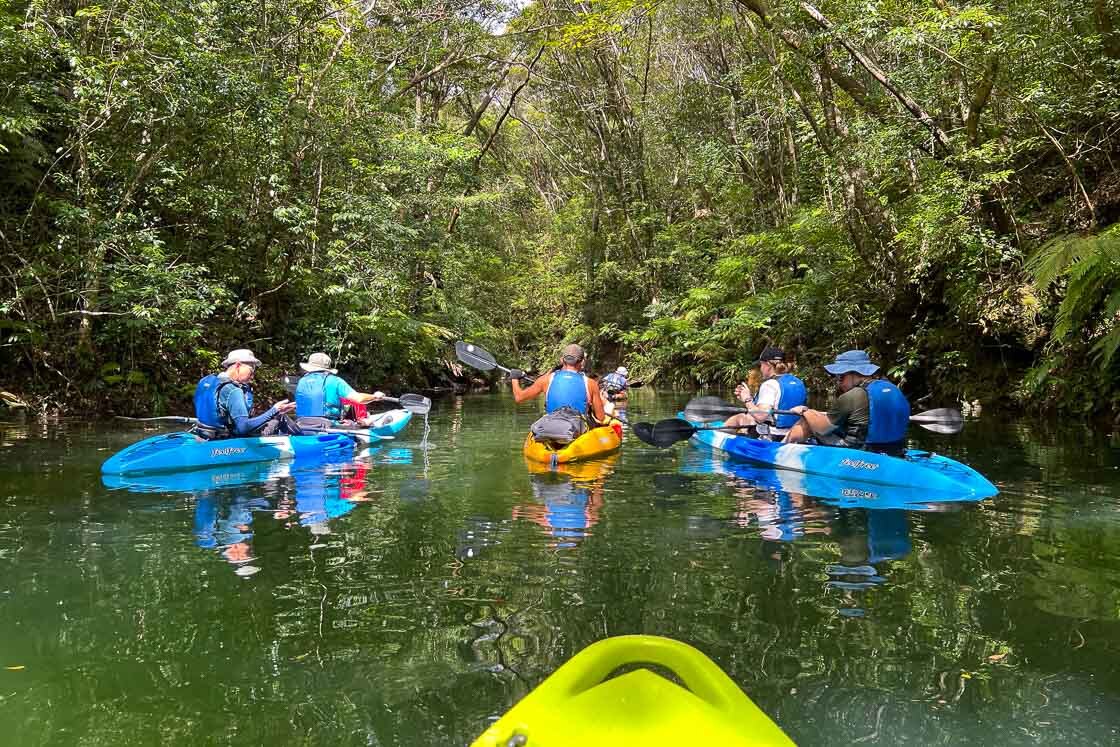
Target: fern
x=1087, y=271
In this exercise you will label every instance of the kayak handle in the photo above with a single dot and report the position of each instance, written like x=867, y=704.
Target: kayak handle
x=591, y=667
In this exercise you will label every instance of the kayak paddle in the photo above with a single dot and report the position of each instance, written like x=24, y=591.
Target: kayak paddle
x=704, y=409
x=665, y=433
x=415, y=403
x=478, y=357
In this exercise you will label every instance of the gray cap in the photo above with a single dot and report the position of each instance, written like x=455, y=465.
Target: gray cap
x=241, y=355
x=318, y=362
x=573, y=354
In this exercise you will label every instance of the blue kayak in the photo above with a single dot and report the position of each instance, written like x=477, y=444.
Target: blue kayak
x=183, y=451
x=384, y=426
x=938, y=478
x=832, y=491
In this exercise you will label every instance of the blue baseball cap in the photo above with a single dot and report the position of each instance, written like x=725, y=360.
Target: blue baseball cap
x=849, y=361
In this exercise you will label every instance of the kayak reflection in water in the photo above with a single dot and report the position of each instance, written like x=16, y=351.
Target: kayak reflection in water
x=780, y=516
x=569, y=498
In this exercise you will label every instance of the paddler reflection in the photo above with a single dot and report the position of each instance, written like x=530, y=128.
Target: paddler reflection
x=229, y=501
x=865, y=521
x=568, y=498
x=868, y=539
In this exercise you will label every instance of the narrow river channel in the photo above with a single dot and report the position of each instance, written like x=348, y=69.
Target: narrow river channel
x=411, y=596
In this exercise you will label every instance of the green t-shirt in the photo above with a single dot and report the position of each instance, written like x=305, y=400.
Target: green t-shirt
x=850, y=415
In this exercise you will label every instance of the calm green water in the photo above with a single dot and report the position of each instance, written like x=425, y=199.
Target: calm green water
x=412, y=596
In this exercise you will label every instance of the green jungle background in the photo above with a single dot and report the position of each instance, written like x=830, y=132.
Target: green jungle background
x=673, y=184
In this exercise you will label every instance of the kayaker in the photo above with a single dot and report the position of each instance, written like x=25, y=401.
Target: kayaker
x=319, y=396
x=615, y=384
x=870, y=413
x=222, y=402
x=567, y=386
x=780, y=390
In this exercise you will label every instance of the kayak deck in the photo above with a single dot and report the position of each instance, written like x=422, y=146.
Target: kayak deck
x=595, y=443
x=582, y=704
x=386, y=426
x=939, y=477
x=183, y=451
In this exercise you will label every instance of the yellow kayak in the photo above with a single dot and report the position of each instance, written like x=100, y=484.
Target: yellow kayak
x=580, y=704
x=595, y=443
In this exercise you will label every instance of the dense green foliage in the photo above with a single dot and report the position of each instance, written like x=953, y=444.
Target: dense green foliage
x=676, y=183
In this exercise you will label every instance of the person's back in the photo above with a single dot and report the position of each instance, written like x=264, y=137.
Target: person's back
x=321, y=392
x=320, y=395
x=888, y=416
x=615, y=382
x=567, y=388
x=211, y=413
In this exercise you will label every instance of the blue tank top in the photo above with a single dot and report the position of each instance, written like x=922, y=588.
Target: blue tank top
x=566, y=389
x=793, y=395
x=890, y=413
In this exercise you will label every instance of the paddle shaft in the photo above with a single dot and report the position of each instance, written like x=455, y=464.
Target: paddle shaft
x=921, y=417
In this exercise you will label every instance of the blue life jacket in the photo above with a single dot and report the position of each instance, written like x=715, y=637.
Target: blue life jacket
x=793, y=395
x=566, y=389
x=614, y=382
x=206, y=408
x=890, y=413
x=311, y=401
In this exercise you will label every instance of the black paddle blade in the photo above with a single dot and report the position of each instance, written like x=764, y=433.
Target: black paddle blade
x=664, y=433
x=707, y=409
x=415, y=403
x=644, y=432
x=474, y=356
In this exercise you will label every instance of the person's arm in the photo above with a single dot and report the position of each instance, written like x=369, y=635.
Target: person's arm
x=596, y=402
x=769, y=395
x=535, y=389
x=364, y=399
x=239, y=412
x=836, y=418
x=818, y=421
x=344, y=391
